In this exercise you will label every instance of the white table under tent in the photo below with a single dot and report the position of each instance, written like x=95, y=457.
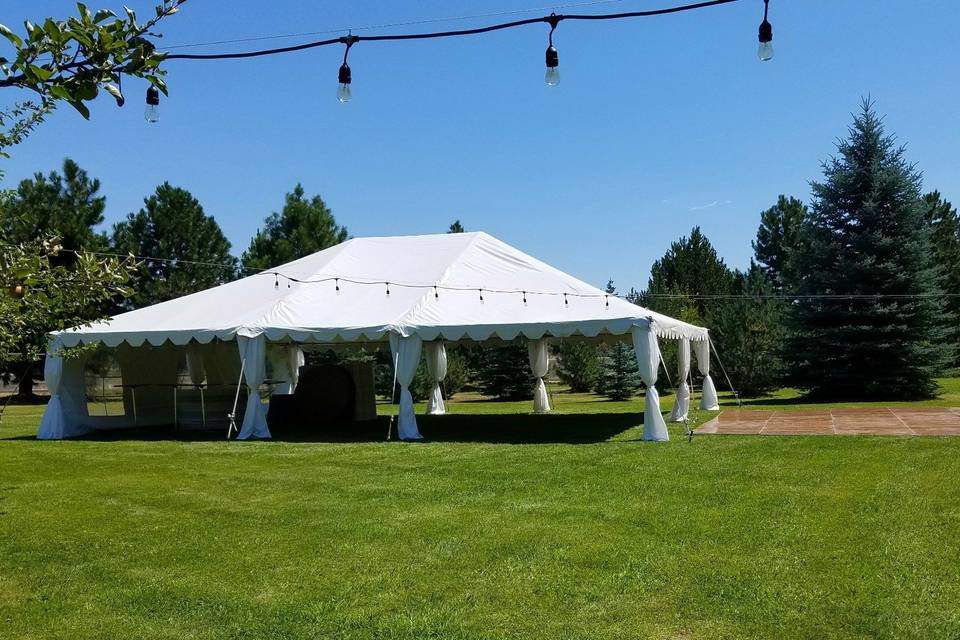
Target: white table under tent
x=416, y=294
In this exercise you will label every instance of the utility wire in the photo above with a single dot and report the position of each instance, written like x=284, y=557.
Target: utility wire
x=390, y=25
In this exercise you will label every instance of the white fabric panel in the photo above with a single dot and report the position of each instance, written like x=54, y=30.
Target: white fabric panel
x=436, y=356
x=285, y=362
x=53, y=425
x=195, y=364
x=149, y=374
x=317, y=312
x=681, y=406
x=708, y=398
x=253, y=356
x=539, y=364
x=295, y=360
x=406, y=358
x=648, y=361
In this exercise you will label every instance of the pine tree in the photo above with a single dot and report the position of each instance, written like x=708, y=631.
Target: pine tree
x=304, y=226
x=690, y=270
x=945, y=236
x=172, y=224
x=776, y=237
x=66, y=206
x=456, y=227
x=865, y=237
x=579, y=366
x=504, y=372
x=619, y=377
x=748, y=333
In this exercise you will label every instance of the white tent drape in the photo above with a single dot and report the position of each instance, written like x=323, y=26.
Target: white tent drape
x=539, y=364
x=406, y=357
x=648, y=361
x=708, y=398
x=295, y=360
x=195, y=364
x=53, y=425
x=681, y=406
x=253, y=356
x=285, y=363
x=436, y=355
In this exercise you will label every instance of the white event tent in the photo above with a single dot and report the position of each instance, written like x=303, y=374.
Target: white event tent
x=413, y=292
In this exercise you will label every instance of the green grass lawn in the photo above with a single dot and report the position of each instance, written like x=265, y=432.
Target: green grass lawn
x=503, y=525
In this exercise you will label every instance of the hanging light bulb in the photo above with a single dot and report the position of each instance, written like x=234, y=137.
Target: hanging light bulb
x=343, y=89
x=344, y=77
x=152, y=112
x=552, y=75
x=765, y=50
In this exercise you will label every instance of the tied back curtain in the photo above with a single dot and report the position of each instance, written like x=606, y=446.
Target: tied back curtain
x=708, y=398
x=406, y=357
x=253, y=356
x=295, y=360
x=648, y=361
x=681, y=407
x=539, y=364
x=53, y=425
x=195, y=364
x=285, y=363
x=436, y=355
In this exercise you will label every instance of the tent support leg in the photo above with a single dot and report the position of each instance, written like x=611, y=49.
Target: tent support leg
x=232, y=416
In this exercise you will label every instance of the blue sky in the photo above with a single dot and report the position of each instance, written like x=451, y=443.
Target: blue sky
x=659, y=124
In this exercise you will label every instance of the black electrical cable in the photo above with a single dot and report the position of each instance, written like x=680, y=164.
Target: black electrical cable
x=449, y=34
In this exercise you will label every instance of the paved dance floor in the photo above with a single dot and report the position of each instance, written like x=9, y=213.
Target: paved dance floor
x=874, y=421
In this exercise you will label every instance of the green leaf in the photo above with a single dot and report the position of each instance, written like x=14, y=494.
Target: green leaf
x=41, y=73
x=131, y=15
x=84, y=13
x=61, y=92
x=158, y=83
x=11, y=36
x=53, y=30
x=103, y=14
x=82, y=37
x=112, y=90
x=82, y=108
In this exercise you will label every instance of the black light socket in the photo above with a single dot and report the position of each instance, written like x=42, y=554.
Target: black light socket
x=766, y=31
x=553, y=58
x=344, y=75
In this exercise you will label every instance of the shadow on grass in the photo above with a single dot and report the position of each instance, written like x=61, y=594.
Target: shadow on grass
x=581, y=428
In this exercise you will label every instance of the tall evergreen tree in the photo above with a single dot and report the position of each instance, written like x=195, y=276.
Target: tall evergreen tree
x=619, y=377
x=777, y=236
x=172, y=225
x=945, y=236
x=865, y=237
x=456, y=227
x=304, y=226
x=67, y=206
x=748, y=332
x=690, y=268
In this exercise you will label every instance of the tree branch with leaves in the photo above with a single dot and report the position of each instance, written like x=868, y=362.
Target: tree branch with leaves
x=72, y=60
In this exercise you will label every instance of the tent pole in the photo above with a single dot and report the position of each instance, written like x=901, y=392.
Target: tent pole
x=236, y=398
x=393, y=393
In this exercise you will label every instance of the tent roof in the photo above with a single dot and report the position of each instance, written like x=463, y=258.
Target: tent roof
x=299, y=302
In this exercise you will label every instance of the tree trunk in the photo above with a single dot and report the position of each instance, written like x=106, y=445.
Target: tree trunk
x=25, y=384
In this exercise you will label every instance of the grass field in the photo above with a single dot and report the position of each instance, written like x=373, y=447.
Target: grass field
x=504, y=525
